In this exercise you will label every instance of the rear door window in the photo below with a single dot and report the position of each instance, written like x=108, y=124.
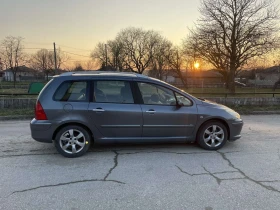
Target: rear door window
x=113, y=92
x=72, y=91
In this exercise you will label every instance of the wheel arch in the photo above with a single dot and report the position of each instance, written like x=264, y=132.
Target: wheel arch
x=73, y=123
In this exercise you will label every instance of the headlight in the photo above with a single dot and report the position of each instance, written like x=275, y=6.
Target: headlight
x=233, y=113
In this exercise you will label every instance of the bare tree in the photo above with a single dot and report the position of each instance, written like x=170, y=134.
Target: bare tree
x=1, y=64
x=78, y=67
x=89, y=65
x=12, y=54
x=61, y=58
x=161, y=53
x=99, y=54
x=42, y=60
x=138, y=47
x=134, y=49
x=116, y=54
x=192, y=57
x=231, y=32
x=176, y=60
x=109, y=54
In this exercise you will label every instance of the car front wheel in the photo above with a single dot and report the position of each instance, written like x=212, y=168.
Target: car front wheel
x=212, y=135
x=72, y=141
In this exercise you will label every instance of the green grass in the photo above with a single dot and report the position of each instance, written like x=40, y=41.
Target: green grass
x=14, y=90
x=16, y=112
x=247, y=92
x=251, y=109
x=18, y=83
x=223, y=90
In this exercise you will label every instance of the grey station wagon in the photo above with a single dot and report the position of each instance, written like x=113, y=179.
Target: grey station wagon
x=76, y=109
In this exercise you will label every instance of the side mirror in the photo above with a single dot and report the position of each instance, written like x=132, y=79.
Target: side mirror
x=180, y=104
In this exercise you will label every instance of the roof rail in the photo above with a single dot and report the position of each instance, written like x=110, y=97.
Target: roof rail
x=67, y=74
x=88, y=72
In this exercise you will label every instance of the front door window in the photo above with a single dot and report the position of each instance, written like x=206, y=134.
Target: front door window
x=155, y=94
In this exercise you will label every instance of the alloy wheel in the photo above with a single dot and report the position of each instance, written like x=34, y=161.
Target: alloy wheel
x=72, y=141
x=214, y=136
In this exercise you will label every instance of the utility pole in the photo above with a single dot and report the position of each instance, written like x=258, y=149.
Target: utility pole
x=106, y=54
x=1, y=65
x=55, y=62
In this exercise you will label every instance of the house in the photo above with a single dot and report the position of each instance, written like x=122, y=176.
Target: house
x=23, y=73
x=209, y=78
x=261, y=77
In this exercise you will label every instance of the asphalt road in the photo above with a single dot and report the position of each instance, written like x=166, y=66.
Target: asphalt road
x=243, y=175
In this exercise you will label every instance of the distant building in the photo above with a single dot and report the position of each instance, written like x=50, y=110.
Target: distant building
x=23, y=73
x=261, y=77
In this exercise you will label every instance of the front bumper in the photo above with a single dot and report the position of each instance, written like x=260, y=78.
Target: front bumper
x=41, y=130
x=235, y=127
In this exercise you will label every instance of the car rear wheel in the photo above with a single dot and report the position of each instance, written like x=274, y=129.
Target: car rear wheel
x=72, y=141
x=212, y=135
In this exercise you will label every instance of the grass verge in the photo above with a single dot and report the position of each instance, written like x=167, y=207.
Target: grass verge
x=245, y=110
x=16, y=112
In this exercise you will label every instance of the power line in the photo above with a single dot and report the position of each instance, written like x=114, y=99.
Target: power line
x=74, y=48
x=31, y=48
x=41, y=43
x=35, y=48
x=37, y=43
x=76, y=54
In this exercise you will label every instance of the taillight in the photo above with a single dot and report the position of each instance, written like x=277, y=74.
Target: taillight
x=39, y=112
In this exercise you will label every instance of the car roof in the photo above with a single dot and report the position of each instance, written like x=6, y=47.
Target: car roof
x=104, y=74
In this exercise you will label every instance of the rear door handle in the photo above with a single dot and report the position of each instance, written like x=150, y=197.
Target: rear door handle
x=151, y=111
x=98, y=110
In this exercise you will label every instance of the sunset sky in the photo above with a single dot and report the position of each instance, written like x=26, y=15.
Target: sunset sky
x=81, y=24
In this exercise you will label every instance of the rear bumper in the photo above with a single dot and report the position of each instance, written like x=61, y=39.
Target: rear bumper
x=41, y=130
x=235, y=129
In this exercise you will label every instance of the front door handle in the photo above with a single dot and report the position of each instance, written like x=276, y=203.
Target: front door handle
x=151, y=111
x=98, y=110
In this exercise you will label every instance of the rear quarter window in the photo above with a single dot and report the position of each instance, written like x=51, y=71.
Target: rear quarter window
x=72, y=91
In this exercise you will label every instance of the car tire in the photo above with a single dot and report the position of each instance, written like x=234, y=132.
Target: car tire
x=212, y=135
x=72, y=141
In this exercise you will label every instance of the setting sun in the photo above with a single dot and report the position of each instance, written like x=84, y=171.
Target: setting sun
x=196, y=65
